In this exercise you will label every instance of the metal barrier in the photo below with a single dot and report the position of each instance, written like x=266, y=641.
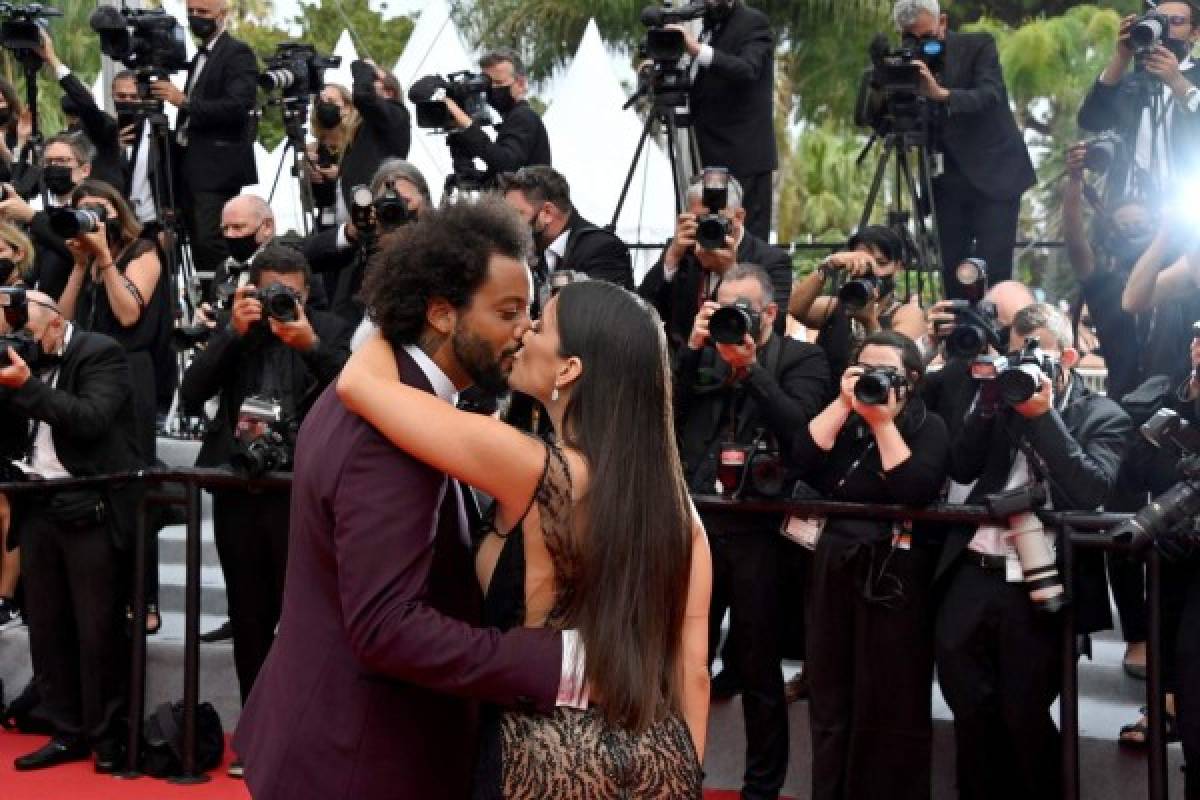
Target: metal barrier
x=1076, y=529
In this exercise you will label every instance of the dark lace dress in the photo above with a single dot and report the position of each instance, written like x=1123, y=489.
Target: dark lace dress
x=570, y=754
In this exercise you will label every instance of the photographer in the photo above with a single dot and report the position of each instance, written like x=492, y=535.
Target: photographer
x=733, y=394
x=521, y=138
x=15, y=129
x=871, y=580
x=564, y=239
x=344, y=251
x=689, y=273
x=998, y=644
x=1155, y=109
x=986, y=164
x=732, y=101
x=214, y=127
x=267, y=360
x=870, y=262
x=69, y=397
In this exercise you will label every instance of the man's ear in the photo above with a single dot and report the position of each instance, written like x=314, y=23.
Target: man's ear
x=1070, y=358
x=441, y=316
x=739, y=216
x=943, y=24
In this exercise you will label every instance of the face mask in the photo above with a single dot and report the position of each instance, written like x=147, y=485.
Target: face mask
x=501, y=99
x=887, y=285
x=58, y=179
x=112, y=231
x=7, y=267
x=201, y=27
x=241, y=248
x=1180, y=48
x=5, y=117
x=329, y=115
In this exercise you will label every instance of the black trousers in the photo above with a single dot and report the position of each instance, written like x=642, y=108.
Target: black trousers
x=756, y=199
x=870, y=672
x=746, y=581
x=203, y=220
x=74, y=605
x=251, y=533
x=999, y=664
x=972, y=224
x=1187, y=672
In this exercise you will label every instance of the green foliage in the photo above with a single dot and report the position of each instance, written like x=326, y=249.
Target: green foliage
x=1017, y=12
x=822, y=190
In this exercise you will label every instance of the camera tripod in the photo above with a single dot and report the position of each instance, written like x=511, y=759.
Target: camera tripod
x=909, y=150
x=294, y=111
x=465, y=179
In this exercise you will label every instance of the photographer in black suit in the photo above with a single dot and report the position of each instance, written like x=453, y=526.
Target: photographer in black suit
x=987, y=166
x=521, y=138
x=733, y=101
x=214, y=130
x=564, y=239
x=688, y=274
x=258, y=357
x=998, y=644
x=1125, y=102
x=72, y=401
x=764, y=386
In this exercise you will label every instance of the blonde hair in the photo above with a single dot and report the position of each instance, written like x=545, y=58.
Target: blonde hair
x=18, y=241
x=338, y=138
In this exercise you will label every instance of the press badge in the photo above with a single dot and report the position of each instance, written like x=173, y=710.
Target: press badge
x=804, y=531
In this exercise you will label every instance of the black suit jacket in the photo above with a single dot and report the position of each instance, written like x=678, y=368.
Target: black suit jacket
x=733, y=98
x=596, y=252
x=101, y=130
x=90, y=413
x=980, y=135
x=52, y=262
x=521, y=141
x=385, y=132
x=678, y=300
x=324, y=256
x=219, y=156
x=229, y=365
x=1118, y=108
x=1077, y=452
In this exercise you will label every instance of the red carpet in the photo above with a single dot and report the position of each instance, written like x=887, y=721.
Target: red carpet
x=79, y=782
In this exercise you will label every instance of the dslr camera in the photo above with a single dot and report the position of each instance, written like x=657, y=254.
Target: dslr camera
x=976, y=326
x=712, y=228
x=71, y=223
x=16, y=314
x=1175, y=509
x=889, y=98
x=296, y=70
x=375, y=215
x=729, y=324
x=279, y=302
x=467, y=89
x=875, y=385
x=265, y=438
x=1148, y=32
x=1018, y=375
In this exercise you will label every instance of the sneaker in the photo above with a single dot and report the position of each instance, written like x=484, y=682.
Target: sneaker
x=10, y=616
x=220, y=634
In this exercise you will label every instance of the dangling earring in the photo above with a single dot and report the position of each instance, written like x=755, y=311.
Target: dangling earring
x=554, y=395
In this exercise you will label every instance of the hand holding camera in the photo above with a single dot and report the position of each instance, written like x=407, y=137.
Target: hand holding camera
x=879, y=394
x=247, y=310
x=279, y=308
x=14, y=208
x=297, y=334
x=682, y=243
x=15, y=372
x=168, y=92
x=699, y=335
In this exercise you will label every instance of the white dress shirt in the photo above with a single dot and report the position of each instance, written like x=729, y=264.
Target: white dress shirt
x=43, y=459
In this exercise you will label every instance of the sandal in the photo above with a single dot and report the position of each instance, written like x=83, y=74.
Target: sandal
x=1141, y=730
x=153, y=618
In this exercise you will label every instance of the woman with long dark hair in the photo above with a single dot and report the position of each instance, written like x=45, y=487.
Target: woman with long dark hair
x=594, y=531
x=870, y=620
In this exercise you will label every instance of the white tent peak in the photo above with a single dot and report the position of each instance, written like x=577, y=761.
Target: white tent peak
x=349, y=54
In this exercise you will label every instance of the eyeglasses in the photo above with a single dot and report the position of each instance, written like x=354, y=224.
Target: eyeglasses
x=1179, y=19
x=60, y=162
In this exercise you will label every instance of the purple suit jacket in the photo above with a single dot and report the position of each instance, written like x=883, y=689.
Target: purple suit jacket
x=370, y=690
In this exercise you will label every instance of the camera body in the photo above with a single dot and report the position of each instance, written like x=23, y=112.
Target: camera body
x=1018, y=375
x=875, y=385
x=374, y=215
x=661, y=43
x=148, y=41
x=71, y=223
x=296, y=70
x=729, y=324
x=467, y=89
x=23, y=343
x=1100, y=152
x=889, y=97
x=857, y=294
x=22, y=26
x=976, y=327
x=712, y=227
x=1148, y=32
x=279, y=302
x=265, y=438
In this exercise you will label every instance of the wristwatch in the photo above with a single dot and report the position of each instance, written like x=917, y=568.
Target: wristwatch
x=1191, y=99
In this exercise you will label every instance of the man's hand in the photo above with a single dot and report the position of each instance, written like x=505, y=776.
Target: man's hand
x=1163, y=64
x=247, y=310
x=46, y=51
x=1041, y=402
x=878, y=416
x=854, y=263
x=846, y=389
x=739, y=356
x=168, y=92
x=720, y=260
x=16, y=373
x=689, y=39
x=1124, y=49
x=1076, y=154
x=14, y=207
x=929, y=85
x=128, y=135
x=699, y=335
x=206, y=316
x=684, y=240
x=457, y=115
x=298, y=335
x=939, y=321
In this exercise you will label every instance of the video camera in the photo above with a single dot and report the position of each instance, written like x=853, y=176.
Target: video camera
x=1167, y=512
x=296, y=70
x=141, y=39
x=467, y=89
x=71, y=223
x=1018, y=375
x=21, y=29
x=889, y=98
x=712, y=228
x=729, y=324
x=265, y=438
x=662, y=43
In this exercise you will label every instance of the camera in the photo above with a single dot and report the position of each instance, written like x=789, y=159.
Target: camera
x=889, y=97
x=265, y=437
x=382, y=214
x=296, y=70
x=1028, y=538
x=1147, y=32
x=730, y=324
x=1019, y=375
x=875, y=385
x=21, y=30
x=71, y=223
x=712, y=228
x=662, y=44
x=22, y=342
x=279, y=302
x=1100, y=152
x=755, y=469
x=1181, y=502
x=14, y=307
x=858, y=293
x=141, y=39
x=467, y=89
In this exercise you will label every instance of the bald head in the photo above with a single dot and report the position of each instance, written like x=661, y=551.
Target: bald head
x=1009, y=297
x=248, y=215
x=45, y=321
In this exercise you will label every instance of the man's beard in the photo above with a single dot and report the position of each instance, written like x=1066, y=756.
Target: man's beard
x=480, y=362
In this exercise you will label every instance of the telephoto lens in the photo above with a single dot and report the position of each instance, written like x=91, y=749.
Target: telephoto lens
x=1018, y=384
x=730, y=324
x=71, y=223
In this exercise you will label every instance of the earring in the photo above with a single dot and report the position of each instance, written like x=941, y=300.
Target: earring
x=554, y=395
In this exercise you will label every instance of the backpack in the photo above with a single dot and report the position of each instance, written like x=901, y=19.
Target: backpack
x=162, y=752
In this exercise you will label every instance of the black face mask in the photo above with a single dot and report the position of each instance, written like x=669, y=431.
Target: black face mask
x=329, y=115
x=1180, y=48
x=201, y=27
x=887, y=285
x=58, y=179
x=7, y=267
x=112, y=231
x=501, y=99
x=5, y=117
x=241, y=248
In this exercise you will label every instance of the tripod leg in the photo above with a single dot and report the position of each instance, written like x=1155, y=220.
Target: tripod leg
x=678, y=180
x=637, y=156
x=889, y=145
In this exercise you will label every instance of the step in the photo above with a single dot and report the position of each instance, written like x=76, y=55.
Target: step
x=171, y=588
x=172, y=546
